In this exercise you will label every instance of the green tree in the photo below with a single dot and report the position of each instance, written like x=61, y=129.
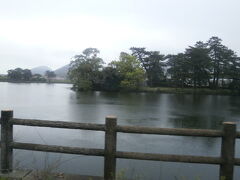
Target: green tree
x=19, y=74
x=84, y=70
x=26, y=74
x=111, y=79
x=198, y=61
x=231, y=71
x=216, y=53
x=15, y=74
x=50, y=74
x=153, y=64
x=178, y=69
x=131, y=73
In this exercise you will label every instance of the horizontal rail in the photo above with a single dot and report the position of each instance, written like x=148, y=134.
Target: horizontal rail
x=169, y=158
x=170, y=131
x=58, y=149
x=119, y=154
x=238, y=134
x=58, y=124
x=237, y=161
x=122, y=129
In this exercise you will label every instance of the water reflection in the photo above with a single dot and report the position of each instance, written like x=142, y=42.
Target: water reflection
x=58, y=102
x=196, y=122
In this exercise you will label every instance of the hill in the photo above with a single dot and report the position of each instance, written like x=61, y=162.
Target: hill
x=62, y=72
x=40, y=70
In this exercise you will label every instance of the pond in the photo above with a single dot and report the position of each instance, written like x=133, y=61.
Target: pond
x=59, y=102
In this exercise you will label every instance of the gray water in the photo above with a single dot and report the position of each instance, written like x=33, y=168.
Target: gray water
x=59, y=102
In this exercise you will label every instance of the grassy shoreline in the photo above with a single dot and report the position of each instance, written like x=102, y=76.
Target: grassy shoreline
x=201, y=91
x=167, y=90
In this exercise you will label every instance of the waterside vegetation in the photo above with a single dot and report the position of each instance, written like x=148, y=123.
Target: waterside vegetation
x=20, y=75
x=206, y=68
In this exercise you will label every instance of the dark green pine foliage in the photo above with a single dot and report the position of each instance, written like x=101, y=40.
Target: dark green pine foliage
x=198, y=62
x=178, y=70
x=153, y=64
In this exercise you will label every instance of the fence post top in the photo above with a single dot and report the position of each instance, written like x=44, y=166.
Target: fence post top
x=229, y=123
x=7, y=113
x=111, y=117
x=7, y=110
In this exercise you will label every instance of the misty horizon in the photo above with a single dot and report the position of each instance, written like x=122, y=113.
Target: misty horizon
x=50, y=33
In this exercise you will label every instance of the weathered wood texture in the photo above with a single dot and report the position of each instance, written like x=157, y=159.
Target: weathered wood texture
x=237, y=161
x=237, y=134
x=170, y=131
x=58, y=149
x=110, y=148
x=228, y=151
x=6, y=140
x=169, y=157
x=226, y=161
x=58, y=124
x=119, y=154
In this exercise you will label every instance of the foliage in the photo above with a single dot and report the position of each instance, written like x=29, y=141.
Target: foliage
x=50, y=74
x=110, y=79
x=87, y=72
x=207, y=64
x=3, y=78
x=198, y=63
x=152, y=62
x=178, y=69
x=23, y=75
x=216, y=52
x=84, y=70
x=19, y=74
x=131, y=73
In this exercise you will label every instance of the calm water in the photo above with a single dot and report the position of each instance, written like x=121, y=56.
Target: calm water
x=58, y=102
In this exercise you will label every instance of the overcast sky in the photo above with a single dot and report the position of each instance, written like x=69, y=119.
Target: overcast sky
x=50, y=32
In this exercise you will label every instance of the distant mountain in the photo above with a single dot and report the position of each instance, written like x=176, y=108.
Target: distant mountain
x=40, y=70
x=62, y=72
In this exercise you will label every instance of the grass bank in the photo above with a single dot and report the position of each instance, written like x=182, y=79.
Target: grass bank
x=204, y=91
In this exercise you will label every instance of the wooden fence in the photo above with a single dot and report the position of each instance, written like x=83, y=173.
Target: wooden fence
x=226, y=161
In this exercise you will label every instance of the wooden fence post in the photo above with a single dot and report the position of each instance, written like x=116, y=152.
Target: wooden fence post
x=110, y=148
x=228, y=151
x=6, y=140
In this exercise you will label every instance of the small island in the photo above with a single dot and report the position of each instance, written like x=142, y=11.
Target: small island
x=205, y=68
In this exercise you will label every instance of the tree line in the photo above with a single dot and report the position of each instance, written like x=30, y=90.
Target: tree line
x=88, y=73
x=26, y=75
x=204, y=65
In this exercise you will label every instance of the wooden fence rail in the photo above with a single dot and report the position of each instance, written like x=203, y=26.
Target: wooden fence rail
x=227, y=160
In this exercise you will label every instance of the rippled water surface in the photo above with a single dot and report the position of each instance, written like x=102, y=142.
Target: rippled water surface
x=59, y=102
